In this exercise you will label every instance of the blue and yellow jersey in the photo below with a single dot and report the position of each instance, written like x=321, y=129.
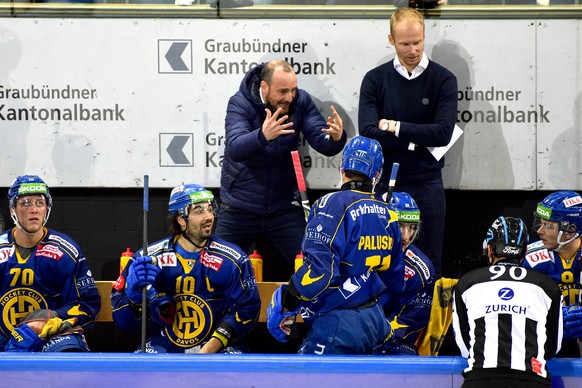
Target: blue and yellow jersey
x=213, y=287
x=564, y=271
x=412, y=311
x=352, y=252
x=54, y=276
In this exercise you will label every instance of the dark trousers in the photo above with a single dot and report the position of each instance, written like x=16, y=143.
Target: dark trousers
x=284, y=228
x=430, y=198
x=503, y=382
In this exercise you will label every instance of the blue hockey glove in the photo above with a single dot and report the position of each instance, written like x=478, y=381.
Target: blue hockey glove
x=278, y=322
x=24, y=339
x=142, y=272
x=162, y=309
x=572, y=322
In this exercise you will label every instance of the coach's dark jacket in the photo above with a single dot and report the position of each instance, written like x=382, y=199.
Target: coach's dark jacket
x=258, y=176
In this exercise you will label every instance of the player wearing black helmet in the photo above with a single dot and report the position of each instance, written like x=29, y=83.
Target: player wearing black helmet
x=507, y=319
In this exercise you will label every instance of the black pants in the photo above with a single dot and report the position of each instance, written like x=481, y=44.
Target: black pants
x=430, y=198
x=505, y=382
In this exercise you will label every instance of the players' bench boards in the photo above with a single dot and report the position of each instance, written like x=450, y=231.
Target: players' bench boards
x=266, y=290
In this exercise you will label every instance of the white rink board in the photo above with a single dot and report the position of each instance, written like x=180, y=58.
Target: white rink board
x=155, y=102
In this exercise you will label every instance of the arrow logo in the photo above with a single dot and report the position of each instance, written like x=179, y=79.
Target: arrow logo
x=174, y=56
x=350, y=286
x=175, y=149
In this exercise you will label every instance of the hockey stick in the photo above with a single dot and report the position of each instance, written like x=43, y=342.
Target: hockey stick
x=301, y=182
x=392, y=181
x=144, y=291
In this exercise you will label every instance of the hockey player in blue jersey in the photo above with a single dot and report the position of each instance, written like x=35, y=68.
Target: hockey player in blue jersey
x=352, y=252
x=202, y=292
x=558, y=221
x=410, y=316
x=48, y=294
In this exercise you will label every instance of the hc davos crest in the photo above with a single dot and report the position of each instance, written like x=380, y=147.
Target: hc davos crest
x=192, y=323
x=16, y=304
x=506, y=293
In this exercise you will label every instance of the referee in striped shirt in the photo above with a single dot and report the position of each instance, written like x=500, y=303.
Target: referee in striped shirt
x=507, y=319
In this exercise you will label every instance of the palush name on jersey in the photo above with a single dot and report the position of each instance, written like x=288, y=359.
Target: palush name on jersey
x=375, y=242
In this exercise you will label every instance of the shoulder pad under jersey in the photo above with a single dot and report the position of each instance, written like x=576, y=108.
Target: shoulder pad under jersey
x=415, y=260
x=220, y=247
x=535, y=245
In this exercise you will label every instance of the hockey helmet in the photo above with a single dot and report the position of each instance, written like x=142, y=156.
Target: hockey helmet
x=185, y=195
x=563, y=207
x=405, y=207
x=28, y=185
x=507, y=237
x=407, y=211
x=363, y=156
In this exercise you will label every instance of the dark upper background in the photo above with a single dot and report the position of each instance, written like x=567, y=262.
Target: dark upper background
x=106, y=221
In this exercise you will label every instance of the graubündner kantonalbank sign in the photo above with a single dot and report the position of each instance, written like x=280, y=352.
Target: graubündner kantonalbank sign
x=100, y=103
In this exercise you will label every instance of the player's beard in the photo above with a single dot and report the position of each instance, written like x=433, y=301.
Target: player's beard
x=202, y=234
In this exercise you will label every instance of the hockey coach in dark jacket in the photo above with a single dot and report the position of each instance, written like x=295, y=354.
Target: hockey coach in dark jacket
x=258, y=187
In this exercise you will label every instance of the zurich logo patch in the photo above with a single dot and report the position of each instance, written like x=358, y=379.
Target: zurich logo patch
x=506, y=294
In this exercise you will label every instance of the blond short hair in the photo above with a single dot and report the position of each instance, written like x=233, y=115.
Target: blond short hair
x=405, y=14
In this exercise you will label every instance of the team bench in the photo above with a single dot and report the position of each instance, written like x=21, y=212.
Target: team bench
x=266, y=290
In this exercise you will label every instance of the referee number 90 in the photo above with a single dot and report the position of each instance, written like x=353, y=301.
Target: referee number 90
x=515, y=273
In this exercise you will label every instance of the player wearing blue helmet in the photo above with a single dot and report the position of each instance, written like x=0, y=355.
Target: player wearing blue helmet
x=48, y=293
x=352, y=253
x=558, y=222
x=410, y=314
x=202, y=291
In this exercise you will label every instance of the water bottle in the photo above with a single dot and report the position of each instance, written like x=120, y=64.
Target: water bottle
x=125, y=256
x=298, y=260
x=257, y=262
